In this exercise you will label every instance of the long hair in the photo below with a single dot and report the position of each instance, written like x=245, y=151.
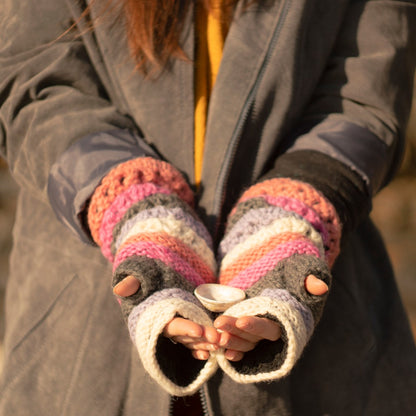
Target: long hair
x=154, y=28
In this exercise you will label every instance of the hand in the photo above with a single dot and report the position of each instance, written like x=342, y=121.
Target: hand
x=198, y=338
x=236, y=335
x=241, y=335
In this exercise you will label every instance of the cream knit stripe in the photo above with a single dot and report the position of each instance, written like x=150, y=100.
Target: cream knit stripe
x=150, y=326
x=136, y=171
x=250, y=223
x=117, y=209
x=307, y=194
x=162, y=212
x=152, y=300
x=294, y=327
x=179, y=230
x=287, y=224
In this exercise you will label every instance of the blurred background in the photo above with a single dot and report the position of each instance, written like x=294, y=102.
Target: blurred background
x=394, y=211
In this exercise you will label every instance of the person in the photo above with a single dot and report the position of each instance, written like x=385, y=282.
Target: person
x=238, y=142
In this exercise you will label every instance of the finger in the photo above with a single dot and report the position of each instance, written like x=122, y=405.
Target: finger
x=210, y=337
x=203, y=346
x=315, y=286
x=211, y=334
x=228, y=324
x=262, y=328
x=200, y=355
x=178, y=327
x=127, y=287
x=232, y=342
x=233, y=355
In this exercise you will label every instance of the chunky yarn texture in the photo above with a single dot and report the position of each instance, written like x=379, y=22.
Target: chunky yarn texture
x=280, y=231
x=141, y=216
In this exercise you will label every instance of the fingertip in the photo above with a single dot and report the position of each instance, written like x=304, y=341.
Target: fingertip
x=200, y=355
x=127, y=287
x=195, y=330
x=315, y=286
x=232, y=355
x=212, y=335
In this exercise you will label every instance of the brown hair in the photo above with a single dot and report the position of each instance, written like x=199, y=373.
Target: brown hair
x=154, y=28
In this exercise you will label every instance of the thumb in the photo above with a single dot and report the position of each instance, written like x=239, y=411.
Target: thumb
x=315, y=286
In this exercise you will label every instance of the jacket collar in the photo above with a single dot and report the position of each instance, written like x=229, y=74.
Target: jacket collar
x=164, y=108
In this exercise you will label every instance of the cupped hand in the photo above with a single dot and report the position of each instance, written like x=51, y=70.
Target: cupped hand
x=239, y=335
x=198, y=338
x=236, y=335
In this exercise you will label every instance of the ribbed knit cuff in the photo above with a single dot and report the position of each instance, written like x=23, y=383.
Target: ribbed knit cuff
x=171, y=366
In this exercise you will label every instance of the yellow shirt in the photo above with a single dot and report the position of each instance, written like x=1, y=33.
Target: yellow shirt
x=211, y=31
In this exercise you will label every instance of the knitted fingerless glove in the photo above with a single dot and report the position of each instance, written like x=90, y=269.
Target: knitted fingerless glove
x=280, y=231
x=141, y=216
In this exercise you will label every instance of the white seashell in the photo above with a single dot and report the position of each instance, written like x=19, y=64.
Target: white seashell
x=218, y=298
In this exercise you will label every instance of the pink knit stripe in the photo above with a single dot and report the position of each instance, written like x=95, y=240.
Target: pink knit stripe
x=260, y=268
x=300, y=208
x=163, y=254
x=135, y=171
x=176, y=246
x=119, y=207
x=255, y=253
x=308, y=195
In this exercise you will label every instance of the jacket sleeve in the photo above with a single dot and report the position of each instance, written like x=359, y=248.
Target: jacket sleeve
x=356, y=120
x=349, y=146
x=51, y=96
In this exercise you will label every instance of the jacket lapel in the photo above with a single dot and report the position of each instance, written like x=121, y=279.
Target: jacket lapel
x=245, y=54
x=163, y=108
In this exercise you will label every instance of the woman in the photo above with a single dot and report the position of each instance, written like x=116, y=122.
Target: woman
x=107, y=129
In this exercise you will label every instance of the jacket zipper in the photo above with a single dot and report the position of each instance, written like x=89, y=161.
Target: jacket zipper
x=204, y=401
x=248, y=105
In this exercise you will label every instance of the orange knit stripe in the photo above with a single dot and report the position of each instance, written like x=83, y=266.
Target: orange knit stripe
x=177, y=246
x=255, y=253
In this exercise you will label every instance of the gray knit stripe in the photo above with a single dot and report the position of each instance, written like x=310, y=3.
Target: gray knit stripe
x=243, y=207
x=153, y=299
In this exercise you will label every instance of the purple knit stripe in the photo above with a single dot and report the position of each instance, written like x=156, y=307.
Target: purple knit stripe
x=292, y=204
x=258, y=269
x=164, y=254
x=250, y=223
x=161, y=212
x=119, y=207
x=285, y=296
x=152, y=300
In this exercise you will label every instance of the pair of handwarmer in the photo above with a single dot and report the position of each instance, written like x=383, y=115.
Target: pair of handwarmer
x=142, y=217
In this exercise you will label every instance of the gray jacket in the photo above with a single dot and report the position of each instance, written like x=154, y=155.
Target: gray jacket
x=323, y=75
